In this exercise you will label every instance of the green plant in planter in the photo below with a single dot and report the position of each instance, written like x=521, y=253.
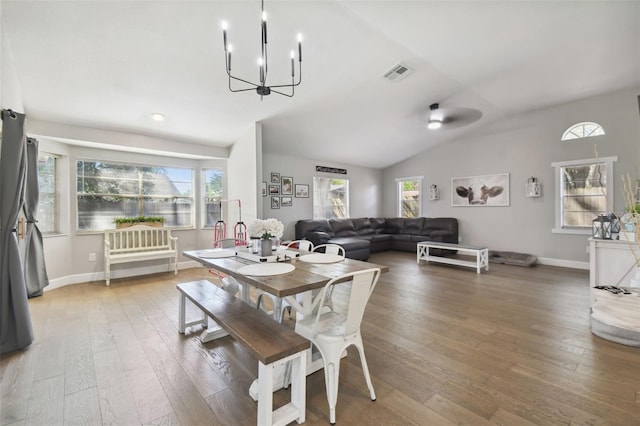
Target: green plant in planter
x=138, y=219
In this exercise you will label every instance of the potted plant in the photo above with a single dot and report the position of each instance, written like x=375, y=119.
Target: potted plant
x=125, y=222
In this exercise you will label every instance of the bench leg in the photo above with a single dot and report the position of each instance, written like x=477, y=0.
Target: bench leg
x=182, y=312
x=294, y=410
x=107, y=271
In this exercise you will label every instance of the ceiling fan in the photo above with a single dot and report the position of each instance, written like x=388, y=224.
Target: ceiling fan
x=451, y=117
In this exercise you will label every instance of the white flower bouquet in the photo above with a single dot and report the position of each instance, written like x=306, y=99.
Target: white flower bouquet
x=267, y=228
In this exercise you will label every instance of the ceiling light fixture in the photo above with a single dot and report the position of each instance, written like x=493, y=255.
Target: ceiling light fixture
x=262, y=89
x=434, y=123
x=157, y=116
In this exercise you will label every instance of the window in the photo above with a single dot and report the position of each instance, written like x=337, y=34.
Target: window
x=409, y=197
x=330, y=198
x=585, y=189
x=47, y=205
x=582, y=130
x=109, y=190
x=212, y=180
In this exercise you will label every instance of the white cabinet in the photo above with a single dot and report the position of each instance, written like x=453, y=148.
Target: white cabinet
x=611, y=262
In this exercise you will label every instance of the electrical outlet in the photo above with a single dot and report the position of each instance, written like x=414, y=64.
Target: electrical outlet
x=92, y=257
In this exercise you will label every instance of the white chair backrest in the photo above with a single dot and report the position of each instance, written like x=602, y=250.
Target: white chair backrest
x=226, y=243
x=362, y=285
x=302, y=245
x=331, y=249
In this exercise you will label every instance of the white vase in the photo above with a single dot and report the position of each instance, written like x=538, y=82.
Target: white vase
x=635, y=280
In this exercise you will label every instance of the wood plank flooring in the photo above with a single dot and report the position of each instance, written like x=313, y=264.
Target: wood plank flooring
x=445, y=346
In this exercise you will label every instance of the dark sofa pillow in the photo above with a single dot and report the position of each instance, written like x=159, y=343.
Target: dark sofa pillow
x=363, y=226
x=343, y=227
x=378, y=224
x=395, y=225
x=413, y=226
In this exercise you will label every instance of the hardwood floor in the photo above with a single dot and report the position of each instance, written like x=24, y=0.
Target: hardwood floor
x=444, y=346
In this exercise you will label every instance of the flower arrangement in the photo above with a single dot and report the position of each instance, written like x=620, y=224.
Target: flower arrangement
x=265, y=229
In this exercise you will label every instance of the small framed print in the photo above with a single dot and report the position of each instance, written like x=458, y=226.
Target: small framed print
x=302, y=191
x=286, y=201
x=274, y=189
x=275, y=202
x=287, y=185
x=275, y=177
x=264, y=189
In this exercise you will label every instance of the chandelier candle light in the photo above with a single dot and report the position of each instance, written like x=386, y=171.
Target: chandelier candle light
x=263, y=89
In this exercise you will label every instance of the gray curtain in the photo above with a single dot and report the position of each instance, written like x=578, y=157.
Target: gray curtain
x=35, y=272
x=16, y=331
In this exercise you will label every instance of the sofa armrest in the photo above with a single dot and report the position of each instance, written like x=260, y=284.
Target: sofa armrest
x=317, y=237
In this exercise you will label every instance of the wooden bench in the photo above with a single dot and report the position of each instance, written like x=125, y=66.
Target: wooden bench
x=138, y=243
x=481, y=254
x=270, y=342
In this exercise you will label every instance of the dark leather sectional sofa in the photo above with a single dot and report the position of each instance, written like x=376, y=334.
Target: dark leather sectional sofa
x=363, y=236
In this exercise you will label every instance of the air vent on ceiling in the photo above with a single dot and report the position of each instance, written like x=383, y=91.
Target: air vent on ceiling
x=397, y=72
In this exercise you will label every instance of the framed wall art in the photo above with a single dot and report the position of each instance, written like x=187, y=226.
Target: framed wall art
x=302, y=190
x=480, y=191
x=287, y=185
x=275, y=202
x=264, y=189
x=274, y=189
x=286, y=201
x=275, y=177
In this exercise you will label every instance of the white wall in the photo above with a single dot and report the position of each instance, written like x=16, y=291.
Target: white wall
x=243, y=165
x=525, y=146
x=10, y=93
x=365, y=192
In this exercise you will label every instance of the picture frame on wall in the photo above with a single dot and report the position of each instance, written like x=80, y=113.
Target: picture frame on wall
x=287, y=185
x=275, y=203
x=275, y=177
x=264, y=189
x=480, y=191
x=274, y=189
x=286, y=201
x=302, y=190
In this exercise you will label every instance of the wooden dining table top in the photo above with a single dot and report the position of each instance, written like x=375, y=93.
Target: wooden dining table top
x=305, y=277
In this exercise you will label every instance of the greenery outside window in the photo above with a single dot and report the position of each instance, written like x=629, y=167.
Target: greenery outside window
x=213, y=182
x=330, y=198
x=409, y=197
x=47, y=206
x=585, y=190
x=109, y=190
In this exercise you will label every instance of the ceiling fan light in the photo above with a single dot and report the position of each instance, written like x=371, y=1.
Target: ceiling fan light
x=434, y=124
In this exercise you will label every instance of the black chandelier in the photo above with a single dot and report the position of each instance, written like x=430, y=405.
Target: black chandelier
x=262, y=89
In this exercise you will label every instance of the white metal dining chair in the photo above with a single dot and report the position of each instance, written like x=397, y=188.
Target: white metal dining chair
x=278, y=313
x=332, y=332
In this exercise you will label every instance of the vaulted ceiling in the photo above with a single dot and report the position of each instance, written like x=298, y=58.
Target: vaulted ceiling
x=109, y=64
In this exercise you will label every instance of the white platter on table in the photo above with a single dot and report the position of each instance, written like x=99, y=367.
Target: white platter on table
x=266, y=269
x=321, y=258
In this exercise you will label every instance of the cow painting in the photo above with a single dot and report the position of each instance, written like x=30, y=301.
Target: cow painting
x=489, y=190
x=482, y=197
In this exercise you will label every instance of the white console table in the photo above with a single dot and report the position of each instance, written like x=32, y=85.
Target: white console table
x=614, y=317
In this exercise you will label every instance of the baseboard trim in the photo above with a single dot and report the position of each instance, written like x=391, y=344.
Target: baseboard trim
x=574, y=264
x=120, y=273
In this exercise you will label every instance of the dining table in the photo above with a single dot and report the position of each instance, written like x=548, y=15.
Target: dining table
x=307, y=271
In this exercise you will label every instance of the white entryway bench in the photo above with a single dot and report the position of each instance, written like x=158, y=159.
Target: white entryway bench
x=138, y=243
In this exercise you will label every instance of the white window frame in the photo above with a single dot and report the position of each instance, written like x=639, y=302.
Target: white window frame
x=569, y=134
x=399, y=182
x=203, y=198
x=56, y=193
x=346, y=198
x=608, y=161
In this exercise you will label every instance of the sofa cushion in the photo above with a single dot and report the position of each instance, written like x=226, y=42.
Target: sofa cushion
x=343, y=227
x=363, y=226
x=413, y=226
x=350, y=244
x=395, y=225
x=378, y=224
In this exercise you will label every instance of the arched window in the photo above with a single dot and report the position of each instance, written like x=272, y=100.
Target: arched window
x=583, y=130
